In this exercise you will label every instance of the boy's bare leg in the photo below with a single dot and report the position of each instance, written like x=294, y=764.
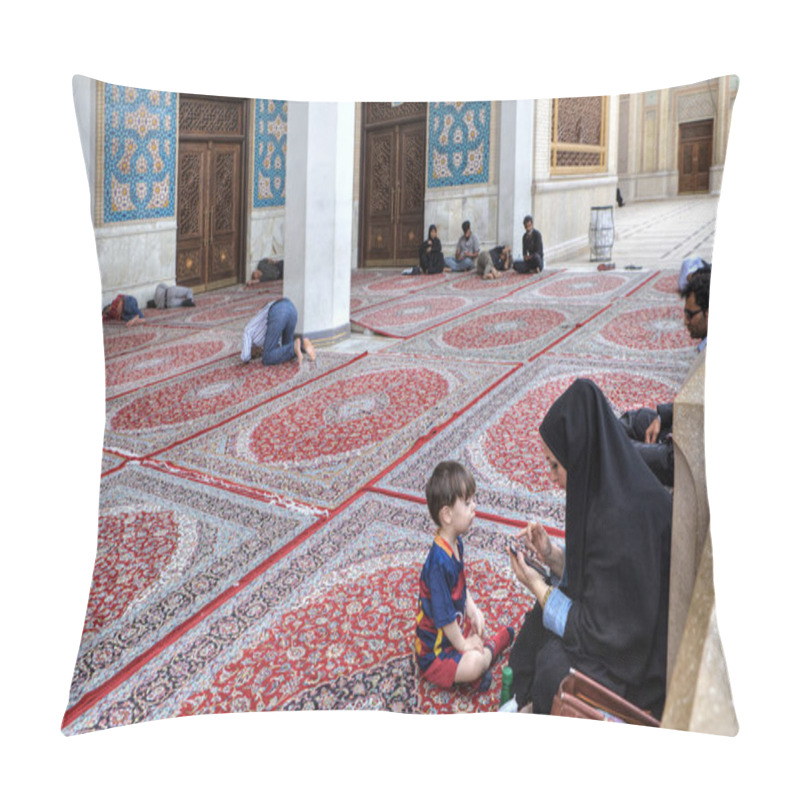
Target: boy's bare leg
x=473, y=664
x=309, y=348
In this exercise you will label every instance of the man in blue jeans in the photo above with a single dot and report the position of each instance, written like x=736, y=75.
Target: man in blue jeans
x=467, y=251
x=271, y=331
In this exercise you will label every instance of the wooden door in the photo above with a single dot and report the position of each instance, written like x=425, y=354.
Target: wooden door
x=694, y=156
x=392, y=184
x=210, y=192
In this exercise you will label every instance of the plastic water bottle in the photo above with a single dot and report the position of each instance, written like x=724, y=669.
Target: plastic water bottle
x=505, y=690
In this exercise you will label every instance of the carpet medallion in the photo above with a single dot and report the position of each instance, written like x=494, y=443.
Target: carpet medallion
x=507, y=330
x=324, y=443
x=584, y=286
x=637, y=329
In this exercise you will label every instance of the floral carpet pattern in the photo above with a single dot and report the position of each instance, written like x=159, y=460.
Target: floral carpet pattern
x=261, y=530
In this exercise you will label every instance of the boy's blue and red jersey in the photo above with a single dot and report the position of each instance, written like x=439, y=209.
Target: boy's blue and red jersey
x=442, y=600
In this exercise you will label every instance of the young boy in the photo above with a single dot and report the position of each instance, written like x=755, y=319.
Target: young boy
x=445, y=655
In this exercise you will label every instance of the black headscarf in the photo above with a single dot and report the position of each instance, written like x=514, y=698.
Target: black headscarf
x=617, y=539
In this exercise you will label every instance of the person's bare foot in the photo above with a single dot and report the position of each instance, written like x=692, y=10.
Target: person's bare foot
x=309, y=348
x=298, y=351
x=134, y=321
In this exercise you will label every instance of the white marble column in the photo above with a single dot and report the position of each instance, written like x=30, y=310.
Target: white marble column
x=319, y=216
x=515, y=167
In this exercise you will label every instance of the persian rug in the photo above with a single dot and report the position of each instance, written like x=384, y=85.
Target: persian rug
x=497, y=440
x=234, y=305
x=640, y=327
x=118, y=339
x=167, y=547
x=329, y=625
x=322, y=444
x=150, y=365
x=426, y=305
x=144, y=421
x=506, y=330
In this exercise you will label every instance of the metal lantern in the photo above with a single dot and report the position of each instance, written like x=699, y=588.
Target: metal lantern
x=601, y=233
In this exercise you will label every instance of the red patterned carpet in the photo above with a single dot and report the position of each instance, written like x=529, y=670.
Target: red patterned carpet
x=261, y=530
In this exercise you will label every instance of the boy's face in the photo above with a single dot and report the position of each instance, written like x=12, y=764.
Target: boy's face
x=460, y=515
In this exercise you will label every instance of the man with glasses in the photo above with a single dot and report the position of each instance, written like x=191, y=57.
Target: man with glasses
x=651, y=430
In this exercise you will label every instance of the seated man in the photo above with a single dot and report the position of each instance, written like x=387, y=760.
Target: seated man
x=532, y=249
x=467, y=251
x=651, y=430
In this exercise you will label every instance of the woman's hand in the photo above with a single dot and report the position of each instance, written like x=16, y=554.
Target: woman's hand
x=527, y=576
x=539, y=542
x=653, y=430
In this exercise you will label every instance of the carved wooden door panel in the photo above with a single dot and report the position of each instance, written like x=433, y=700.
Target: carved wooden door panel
x=393, y=184
x=694, y=156
x=210, y=186
x=411, y=201
x=224, y=212
x=380, y=200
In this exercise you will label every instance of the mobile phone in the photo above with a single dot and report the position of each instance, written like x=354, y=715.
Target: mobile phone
x=531, y=561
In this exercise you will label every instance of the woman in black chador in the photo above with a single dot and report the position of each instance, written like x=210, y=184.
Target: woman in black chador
x=431, y=259
x=606, y=611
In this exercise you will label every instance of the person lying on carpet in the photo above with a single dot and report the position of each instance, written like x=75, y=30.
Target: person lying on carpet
x=271, y=333
x=268, y=269
x=501, y=257
x=605, y=613
x=450, y=645
x=124, y=308
x=171, y=297
x=651, y=429
x=484, y=267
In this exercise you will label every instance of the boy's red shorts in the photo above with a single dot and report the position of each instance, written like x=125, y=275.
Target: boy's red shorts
x=442, y=672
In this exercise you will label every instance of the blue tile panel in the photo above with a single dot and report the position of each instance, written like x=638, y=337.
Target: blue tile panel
x=140, y=129
x=269, y=177
x=458, y=143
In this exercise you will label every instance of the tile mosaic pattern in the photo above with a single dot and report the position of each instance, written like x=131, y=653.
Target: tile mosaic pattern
x=458, y=143
x=140, y=129
x=269, y=178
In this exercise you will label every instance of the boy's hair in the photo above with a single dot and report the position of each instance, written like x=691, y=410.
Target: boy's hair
x=465, y=226
x=449, y=482
x=528, y=218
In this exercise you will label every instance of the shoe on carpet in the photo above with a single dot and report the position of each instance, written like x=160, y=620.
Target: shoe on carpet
x=605, y=267
x=483, y=683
